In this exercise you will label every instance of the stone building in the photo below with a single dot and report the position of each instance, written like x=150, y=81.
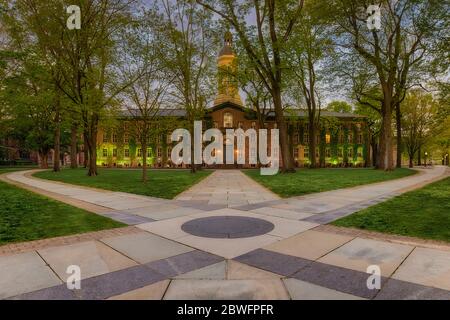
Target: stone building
x=341, y=141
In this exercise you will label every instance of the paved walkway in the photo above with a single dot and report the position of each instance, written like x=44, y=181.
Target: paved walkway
x=292, y=260
x=228, y=187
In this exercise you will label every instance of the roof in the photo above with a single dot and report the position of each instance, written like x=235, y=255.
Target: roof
x=293, y=112
x=159, y=113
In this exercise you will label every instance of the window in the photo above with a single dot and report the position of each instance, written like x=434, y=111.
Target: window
x=168, y=139
x=327, y=152
x=126, y=138
x=169, y=153
x=360, y=152
x=149, y=152
x=114, y=138
x=327, y=138
x=350, y=152
x=159, y=152
x=253, y=125
x=350, y=138
x=216, y=125
x=139, y=152
x=275, y=125
x=306, y=127
x=114, y=152
x=295, y=153
x=340, y=152
x=105, y=137
x=341, y=138
x=266, y=125
x=317, y=152
x=228, y=120
x=359, y=139
x=105, y=152
x=127, y=153
x=295, y=139
x=306, y=138
x=306, y=153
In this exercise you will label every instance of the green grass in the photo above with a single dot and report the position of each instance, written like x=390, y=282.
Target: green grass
x=26, y=216
x=423, y=213
x=306, y=181
x=161, y=183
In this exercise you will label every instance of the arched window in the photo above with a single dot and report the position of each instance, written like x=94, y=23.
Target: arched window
x=227, y=120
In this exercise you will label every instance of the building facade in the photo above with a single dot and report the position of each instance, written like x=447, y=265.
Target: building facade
x=342, y=138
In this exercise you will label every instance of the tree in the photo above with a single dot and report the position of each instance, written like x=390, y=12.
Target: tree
x=310, y=48
x=186, y=47
x=145, y=95
x=339, y=106
x=408, y=28
x=84, y=57
x=419, y=119
x=265, y=45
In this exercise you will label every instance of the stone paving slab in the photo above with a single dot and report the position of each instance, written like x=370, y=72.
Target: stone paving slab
x=118, y=282
x=401, y=290
x=23, y=273
x=282, y=213
x=310, y=244
x=145, y=247
x=359, y=253
x=337, y=278
x=217, y=271
x=93, y=257
x=265, y=289
x=151, y=292
x=273, y=262
x=301, y=290
x=427, y=267
x=183, y=263
x=126, y=218
x=240, y=271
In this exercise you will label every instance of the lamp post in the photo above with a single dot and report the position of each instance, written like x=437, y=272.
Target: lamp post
x=446, y=159
x=426, y=154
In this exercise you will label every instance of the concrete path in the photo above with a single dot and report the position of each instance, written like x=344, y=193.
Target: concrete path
x=228, y=187
x=294, y=259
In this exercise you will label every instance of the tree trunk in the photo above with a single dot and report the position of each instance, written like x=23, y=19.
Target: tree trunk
x=144, y=160
x=57, y=143
x=286, y=156
x=385, y=149
x=411, y=161
x=312, y=142
x=86, y=148
x=374, y=152
x=92, y=139
x=73, y=146
x=419, y=157
x=398, y=119
x=44, y=159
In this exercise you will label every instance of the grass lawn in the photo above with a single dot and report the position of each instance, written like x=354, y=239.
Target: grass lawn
x=161, y=183
x=423, y=213
x=306, y=181
x=26, y=216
